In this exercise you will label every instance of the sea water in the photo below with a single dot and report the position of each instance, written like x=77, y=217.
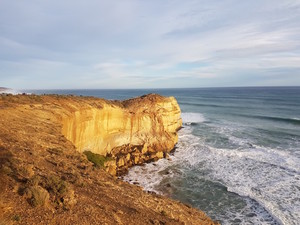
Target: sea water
x=238, y=154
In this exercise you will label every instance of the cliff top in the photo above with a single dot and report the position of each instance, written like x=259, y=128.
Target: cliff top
x=45, y=180
x=8, y=99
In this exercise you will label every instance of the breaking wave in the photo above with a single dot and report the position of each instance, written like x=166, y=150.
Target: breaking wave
x=261, y=176
x=192, y=118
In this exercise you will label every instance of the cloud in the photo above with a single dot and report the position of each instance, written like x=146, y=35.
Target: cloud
x=141, y=44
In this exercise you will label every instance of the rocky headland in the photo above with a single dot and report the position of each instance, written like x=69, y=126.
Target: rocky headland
x=130, y=132
x=4, y=90
x=59, y=157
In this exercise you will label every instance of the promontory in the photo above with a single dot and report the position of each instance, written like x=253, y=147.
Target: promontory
x=60, y=157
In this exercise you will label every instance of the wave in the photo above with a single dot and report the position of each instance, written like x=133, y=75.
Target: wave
x=268, y=177
x=192, y=118
x=295, y=121
x=201, y=104
x=217, y=105
x=262, y=174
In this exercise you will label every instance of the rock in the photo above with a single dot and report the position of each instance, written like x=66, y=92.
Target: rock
x=121, y=162
x=160, y=155
x=167, y=156
x=145, y=126
x=136, y=159
x=69, y=200
x=37, y=196
x=111, y=167
x=128, y=157
x=150, y=121
x=145, y=148
x=152, y=150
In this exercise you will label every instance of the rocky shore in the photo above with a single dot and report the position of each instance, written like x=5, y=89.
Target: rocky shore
x=47, y=177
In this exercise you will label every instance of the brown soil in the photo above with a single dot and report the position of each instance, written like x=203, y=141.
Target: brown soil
x=44, y=180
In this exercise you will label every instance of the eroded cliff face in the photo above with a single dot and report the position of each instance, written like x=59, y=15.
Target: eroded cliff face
x=44, y=179
x=131, y=132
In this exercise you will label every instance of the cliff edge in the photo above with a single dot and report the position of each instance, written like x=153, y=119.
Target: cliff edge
x=131, y=132
x=46, y=179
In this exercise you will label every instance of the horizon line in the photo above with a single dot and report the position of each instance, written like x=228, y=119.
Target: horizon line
x=38, y=89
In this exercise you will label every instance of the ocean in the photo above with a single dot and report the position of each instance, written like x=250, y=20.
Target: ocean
x=238, y=154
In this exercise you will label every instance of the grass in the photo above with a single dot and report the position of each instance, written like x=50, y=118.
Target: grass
x=163, y=213
x=56, y=185
x=96, y=159
x=16, y=218
x=39, y=189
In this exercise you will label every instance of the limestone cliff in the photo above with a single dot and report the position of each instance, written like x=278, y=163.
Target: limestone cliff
x=131, y=132
x=44, y=179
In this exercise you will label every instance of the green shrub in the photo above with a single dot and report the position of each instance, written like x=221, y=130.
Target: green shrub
x=96, y=159
x=163, y=213
x=56, y=185
x=62, y=192
x=16, y=218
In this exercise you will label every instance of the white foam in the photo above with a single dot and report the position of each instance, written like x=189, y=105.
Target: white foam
x=269, y=176
x=147, y=176
x=189, y=118
x=261, y=175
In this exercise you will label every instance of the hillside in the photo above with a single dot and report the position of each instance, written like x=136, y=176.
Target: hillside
x=45, y=179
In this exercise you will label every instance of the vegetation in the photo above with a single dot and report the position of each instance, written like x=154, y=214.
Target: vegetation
x=39, y=190
x=56, y=186
x=16, y=218
x=96, y=159
x=163, y=213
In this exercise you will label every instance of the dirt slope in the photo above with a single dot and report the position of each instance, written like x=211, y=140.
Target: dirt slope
x=44, y=180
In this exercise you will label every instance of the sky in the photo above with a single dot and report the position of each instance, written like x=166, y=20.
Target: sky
x=149, y=44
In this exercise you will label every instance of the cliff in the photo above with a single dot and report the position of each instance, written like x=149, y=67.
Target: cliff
x=131, y=132
x=45, y=178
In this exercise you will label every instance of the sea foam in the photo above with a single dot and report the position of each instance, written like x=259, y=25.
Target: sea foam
x=262, y=175
x=192, y=118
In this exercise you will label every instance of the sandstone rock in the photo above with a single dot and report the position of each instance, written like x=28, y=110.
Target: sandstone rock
x=111, y=167
x=128, y=157
x=145, y=126
x=69, y=200
x=147, y=121
x=152, y=150
x=121, y=162
x=145, y=148
x=160, y=155
x=136, y=159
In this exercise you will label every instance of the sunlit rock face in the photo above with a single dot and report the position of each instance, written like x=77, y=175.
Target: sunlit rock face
x=131, y=132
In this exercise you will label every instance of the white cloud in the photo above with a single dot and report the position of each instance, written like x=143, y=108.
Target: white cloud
x=145, y=43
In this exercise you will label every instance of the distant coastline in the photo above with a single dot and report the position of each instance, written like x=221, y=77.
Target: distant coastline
x=5, y=90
